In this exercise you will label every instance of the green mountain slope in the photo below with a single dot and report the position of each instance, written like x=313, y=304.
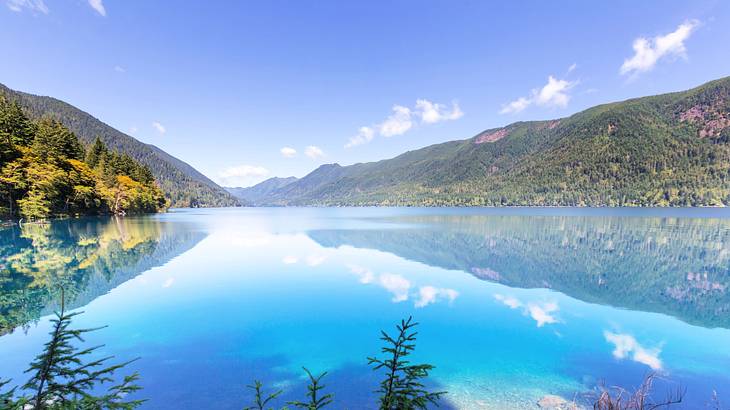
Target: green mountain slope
x=666, y=150
x=254, y=194
x=182, y=184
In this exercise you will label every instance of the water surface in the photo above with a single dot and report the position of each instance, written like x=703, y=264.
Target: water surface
x=514, y=304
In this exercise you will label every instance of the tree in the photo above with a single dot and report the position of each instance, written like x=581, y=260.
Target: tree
x=96, y=153
x=402, y=389
x=313, y=389
x=261, y=400
x=63, y=379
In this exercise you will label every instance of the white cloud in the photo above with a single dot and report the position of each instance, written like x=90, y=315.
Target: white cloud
x=288, y=152
x=515, y=106
x=241, y=175
x=133, y=130
x=119, y=69
x=432, y=113
x=401, y=120
x=552, y=94
x=313, y=152
x=625, y=345
x=429, y=294
x=509, y=301
x=572, y=67
x=159, y=127
x=289, y=260
x=364, y=275
x=169, y=282
x=31, y=5
x=542, y=313
x=364, y=135
x=397, y=285
x=648, y=51
x=98, y=6
x=398, y=123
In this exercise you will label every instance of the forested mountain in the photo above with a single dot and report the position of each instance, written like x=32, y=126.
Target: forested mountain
x=666, y=150
x=254, y=194
x=45, y=172
x=181, y=183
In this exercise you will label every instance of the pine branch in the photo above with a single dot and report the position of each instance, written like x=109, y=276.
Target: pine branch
x=261, y=400
x=314, y=403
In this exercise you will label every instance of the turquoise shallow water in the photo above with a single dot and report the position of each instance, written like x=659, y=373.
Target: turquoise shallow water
x=514, y=304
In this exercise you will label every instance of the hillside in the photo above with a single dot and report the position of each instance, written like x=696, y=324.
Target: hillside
x=666, y=150
x=258, y=192
x=182, y=184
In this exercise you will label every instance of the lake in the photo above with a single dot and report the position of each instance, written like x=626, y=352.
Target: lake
x=513, y=304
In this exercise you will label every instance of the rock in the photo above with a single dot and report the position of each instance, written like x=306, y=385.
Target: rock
x=553, y=402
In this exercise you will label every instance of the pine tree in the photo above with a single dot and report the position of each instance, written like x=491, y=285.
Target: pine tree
x=261, y=400
x=96, y=153
x=313, y=389
x=402, y=388
x=62, y=379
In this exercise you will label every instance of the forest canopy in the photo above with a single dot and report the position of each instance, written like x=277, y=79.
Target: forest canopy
x=45, y=172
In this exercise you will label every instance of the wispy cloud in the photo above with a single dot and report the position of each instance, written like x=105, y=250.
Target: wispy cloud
x=314, y=152
x=119, y=69
x=397, y=123
x=364, y=275
x=626, y=346
x=430, y=294
x=542, y=313
x=553, y=94
x=35, y=6
x=159, y=128
x=364, y=135
x=98, y=5
x=168, y=282
x=288, y=152
x=648, y=51
x=289, y=260
x=133, y=130
x=397, y=285
x=241, y=175
x=432, y=113
x=402, y=119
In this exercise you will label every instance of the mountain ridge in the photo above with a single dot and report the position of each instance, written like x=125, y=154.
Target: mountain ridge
x=664, y=150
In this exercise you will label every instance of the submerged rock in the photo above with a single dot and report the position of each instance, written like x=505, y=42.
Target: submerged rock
x=553, y=402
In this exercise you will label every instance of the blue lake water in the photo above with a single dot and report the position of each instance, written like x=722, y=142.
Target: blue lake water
x=513, y=304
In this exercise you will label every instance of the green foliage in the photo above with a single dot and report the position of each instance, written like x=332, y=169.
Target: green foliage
x=402, y=387
x=261, y=399
x=45, y=174
x=62, y=378
x=182, y=184
x=314, y=402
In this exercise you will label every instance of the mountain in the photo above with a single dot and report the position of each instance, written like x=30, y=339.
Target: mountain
x=253, y=194
x=182, y=184
x=665, y=150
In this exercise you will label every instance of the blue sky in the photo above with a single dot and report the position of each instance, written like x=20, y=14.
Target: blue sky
x=248, y=90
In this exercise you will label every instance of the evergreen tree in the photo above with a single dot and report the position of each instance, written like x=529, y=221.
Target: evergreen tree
x=96, y=153
x=314, y=402
x=402, y=388
x=61, y=378
x=261, y=399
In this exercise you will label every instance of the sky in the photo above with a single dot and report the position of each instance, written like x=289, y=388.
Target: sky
x=247, y=90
